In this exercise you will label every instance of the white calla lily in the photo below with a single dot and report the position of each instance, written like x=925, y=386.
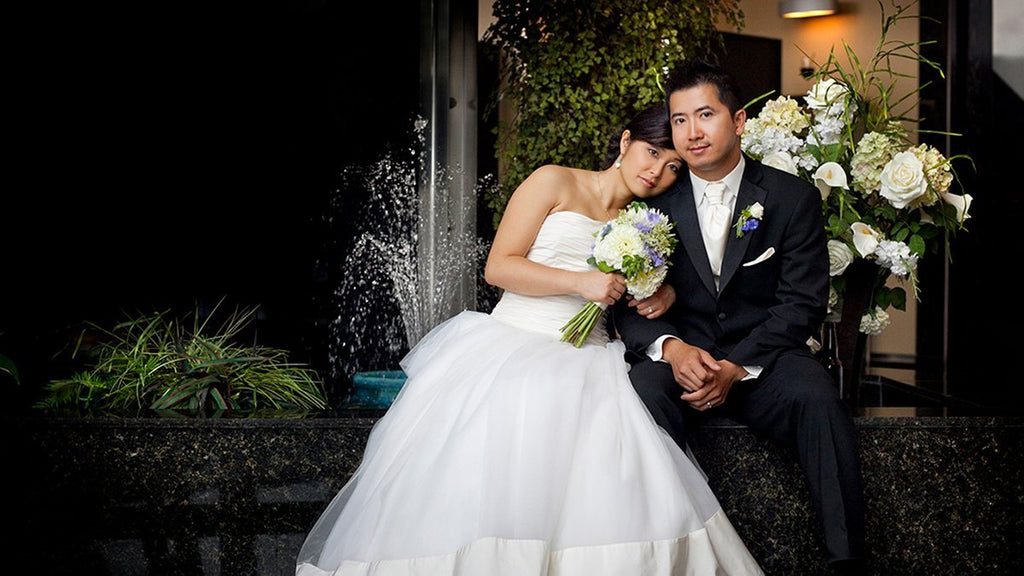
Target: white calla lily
x=865, y=238
x=961, y=203
x=830, y=175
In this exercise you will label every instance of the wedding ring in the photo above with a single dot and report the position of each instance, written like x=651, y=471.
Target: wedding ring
x=650, y=309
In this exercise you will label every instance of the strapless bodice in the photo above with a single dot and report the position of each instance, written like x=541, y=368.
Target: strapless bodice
x=565, y=241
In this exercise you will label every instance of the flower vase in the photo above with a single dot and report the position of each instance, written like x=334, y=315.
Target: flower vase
x=851, y=342
x=376, y=389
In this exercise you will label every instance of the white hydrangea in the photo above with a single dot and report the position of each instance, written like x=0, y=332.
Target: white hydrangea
x=762, y=140
x=936, y=169
x=874, y=322
x=872, y=153
x=897, y=257
x=784, y=112
x=827, y=129
x=776, y=130
x=832, y=106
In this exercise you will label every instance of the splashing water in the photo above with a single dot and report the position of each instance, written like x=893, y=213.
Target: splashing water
x=385, y=302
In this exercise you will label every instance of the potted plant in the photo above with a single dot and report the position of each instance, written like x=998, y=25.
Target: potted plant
x=156, y=362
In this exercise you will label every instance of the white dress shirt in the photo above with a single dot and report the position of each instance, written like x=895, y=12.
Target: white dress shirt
x=732, y=185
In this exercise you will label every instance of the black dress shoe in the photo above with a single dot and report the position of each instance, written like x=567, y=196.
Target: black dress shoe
x=854, y=567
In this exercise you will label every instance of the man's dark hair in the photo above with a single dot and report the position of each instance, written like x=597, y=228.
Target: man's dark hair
x=694, y=72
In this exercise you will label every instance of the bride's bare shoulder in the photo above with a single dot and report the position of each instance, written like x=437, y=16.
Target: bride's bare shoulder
x=554, y=174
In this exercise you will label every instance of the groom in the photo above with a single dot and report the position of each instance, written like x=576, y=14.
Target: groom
x=735, y=341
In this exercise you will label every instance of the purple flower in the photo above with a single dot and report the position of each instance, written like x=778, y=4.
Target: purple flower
x=653, y=256
x=749, y=219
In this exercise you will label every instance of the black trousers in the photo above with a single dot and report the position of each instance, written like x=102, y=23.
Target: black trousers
x=795, y=403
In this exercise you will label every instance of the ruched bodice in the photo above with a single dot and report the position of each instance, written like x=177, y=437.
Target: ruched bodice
x=565, y=241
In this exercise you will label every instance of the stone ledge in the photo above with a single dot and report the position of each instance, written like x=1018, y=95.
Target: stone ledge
x=945, y=495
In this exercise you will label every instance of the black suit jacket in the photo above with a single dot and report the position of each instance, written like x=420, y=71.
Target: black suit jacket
x=761, y=309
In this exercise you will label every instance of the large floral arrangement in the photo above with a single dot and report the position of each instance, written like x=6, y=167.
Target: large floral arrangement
x=636, y=244
x=887, y=200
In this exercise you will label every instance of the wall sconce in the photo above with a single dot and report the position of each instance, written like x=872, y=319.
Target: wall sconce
x=807, y=8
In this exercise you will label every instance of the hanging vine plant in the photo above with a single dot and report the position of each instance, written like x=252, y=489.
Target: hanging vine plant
x=573, y=70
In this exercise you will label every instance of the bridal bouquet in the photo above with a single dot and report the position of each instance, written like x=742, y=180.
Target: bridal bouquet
x=637, y=245
x=887, y=200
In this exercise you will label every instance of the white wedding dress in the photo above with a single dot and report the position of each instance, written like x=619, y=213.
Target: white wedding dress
x=509, y=453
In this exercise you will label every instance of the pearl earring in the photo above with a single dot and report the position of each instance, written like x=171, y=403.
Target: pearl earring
x=618, y=162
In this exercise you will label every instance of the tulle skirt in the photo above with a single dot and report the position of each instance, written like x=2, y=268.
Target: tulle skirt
x=510, y=453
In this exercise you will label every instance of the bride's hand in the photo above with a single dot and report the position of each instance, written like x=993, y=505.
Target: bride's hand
x=602, y=287
x=656, y=304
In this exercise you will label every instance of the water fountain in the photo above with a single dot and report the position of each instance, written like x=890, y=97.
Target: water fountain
x=403, y=274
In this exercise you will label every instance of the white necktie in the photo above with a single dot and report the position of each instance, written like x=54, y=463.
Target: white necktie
x=716, y=225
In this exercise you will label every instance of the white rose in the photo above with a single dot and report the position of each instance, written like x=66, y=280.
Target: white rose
x=865, y=238
x=903, y=180
x=839, y=257
x=828, y=176
x=756, y=210
x=824, y=93
x=781, y=160
x=961, y=203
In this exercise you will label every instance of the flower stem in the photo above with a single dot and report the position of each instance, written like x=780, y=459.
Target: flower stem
x=579, y=326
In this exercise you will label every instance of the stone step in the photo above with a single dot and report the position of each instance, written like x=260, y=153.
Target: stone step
x=235, y=496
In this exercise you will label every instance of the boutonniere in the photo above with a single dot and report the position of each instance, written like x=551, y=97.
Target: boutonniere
x=749, y=219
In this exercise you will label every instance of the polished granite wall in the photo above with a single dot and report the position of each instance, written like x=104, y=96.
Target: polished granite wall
x=234, y=497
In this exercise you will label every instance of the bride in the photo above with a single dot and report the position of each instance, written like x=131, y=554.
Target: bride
x=510, y=453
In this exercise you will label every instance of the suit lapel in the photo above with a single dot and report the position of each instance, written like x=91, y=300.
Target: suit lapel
x=684, y=213
x=749, y=193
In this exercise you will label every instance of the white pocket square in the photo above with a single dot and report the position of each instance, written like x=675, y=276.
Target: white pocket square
x=764, y=256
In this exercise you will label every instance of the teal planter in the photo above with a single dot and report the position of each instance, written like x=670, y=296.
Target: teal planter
x=375, y=389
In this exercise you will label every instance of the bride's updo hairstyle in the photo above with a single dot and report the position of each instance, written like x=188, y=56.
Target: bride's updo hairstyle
x=650, y=125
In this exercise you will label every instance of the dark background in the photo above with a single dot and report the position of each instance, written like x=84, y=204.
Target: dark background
x=981, y=312
x=170, y=155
